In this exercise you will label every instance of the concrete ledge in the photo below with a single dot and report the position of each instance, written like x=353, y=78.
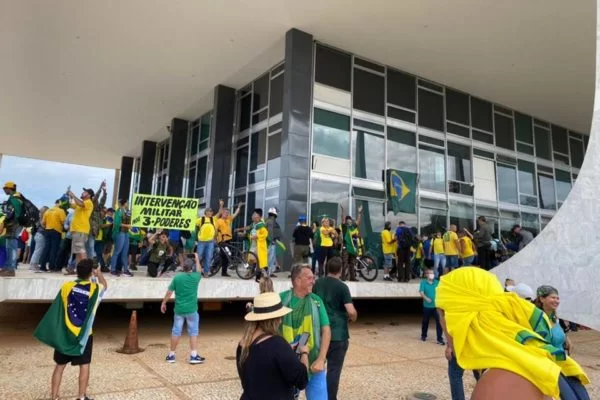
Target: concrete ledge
x=41, y=288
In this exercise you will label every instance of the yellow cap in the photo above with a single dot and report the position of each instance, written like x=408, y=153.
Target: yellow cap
x=10, y=185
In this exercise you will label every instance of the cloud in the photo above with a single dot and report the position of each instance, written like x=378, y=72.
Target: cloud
x=43, y=182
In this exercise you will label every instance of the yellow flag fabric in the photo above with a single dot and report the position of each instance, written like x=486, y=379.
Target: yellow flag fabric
x=494, y=329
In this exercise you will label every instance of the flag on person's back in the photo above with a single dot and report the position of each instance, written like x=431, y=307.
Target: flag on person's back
x=67, y=324
x=402, y=191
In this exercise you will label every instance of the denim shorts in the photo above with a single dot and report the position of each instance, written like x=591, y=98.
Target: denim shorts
x=191, y=320
x=388, y=260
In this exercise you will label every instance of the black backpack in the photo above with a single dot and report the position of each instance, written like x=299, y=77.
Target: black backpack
x=30, y=215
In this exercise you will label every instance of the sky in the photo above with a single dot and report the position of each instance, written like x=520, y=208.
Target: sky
x=42, y=182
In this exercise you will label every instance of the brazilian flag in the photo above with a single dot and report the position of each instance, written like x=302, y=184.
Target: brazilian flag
x=67, y=324
x=402, y=191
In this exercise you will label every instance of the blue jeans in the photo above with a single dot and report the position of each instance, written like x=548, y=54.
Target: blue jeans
x=439, y=263
x=335, y=361
x=40, y=245
x=206, y=250
x=468, y=261
x=121, y=252
x=50, y=255
x=90, y=247
x=571, y=388
x=317, y=386
x=455, y=375
x=272, y=257
x=451, y=262
x=429, y=312
x=191, y=320
x=12, y=246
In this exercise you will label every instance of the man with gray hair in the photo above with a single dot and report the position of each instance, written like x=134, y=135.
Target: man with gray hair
x=309, y=315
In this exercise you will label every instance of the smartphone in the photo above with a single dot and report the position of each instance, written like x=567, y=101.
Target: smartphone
x=302, y=341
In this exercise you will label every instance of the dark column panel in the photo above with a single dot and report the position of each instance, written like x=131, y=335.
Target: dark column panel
x=147, y=166
x=179, y=134
x=295, y=140
x=125, y=177
x=221, y=136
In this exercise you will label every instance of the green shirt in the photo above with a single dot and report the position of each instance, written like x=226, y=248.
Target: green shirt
x=158, y=253
x=185, y=286
x=335, y=295
x=429, y=290
x=317, y=238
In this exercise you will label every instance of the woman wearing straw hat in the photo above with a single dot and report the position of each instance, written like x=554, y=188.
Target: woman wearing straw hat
x=268, y=367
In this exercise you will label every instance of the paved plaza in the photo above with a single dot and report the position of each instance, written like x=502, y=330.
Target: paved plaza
x=386, y=359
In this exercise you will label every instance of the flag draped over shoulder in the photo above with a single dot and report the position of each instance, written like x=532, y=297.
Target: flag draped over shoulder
x=67, y=324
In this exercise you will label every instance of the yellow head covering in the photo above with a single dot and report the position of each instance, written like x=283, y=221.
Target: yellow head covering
x=494, y=329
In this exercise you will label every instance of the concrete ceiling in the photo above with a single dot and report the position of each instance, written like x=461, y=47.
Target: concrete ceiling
x=86, y=81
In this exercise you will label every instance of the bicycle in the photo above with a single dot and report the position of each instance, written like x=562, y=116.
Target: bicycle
x=247, y=268
x=227, y=249
x=365, y=266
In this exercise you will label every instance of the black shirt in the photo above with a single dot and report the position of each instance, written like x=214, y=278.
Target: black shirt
x=271, y=371
x=302, y=235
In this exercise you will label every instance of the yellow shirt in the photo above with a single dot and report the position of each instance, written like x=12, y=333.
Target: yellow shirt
x=224, y=228
x=54, y=219
x=207, y=231
x=387, y=246
x=438, y=246
x=326, y=240
x=467, y=245
x=419, y=253
x=450, y=239
x=81, y=217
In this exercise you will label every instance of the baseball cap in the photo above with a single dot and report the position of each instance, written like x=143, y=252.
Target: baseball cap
x=10, y=185
x=522, y=290
x=89, y=191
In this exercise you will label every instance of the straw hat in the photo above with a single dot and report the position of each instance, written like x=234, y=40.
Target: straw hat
x=267, y=306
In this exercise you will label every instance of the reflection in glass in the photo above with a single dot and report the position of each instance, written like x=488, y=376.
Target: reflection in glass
x=432, y=174
x=547, y=199
x=507, y=221
x=255, y=200
x=331, y=135
x=542, y=143
x=544, y=220
x=461, y=215
x=563, y=184
x=258, y=149
x=371, y=224
x=432, y=220
x=577, y=152
x=241, y=167
x=526, y=178
x=531, y=223
x=367, y=155
x=401, y=152
x=459, y=163
x=507, y=183
x=326, y=197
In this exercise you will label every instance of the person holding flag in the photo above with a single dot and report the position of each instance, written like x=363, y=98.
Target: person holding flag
x=352, y=243
x=67, y=325
x=258, y=237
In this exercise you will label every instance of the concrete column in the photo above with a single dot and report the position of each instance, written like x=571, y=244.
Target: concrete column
x=295, y=138
x=179, y=135
x=124, y=180
x=221, y=137
x=147, y=166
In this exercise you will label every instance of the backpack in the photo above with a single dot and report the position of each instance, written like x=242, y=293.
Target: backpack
x=406, y=239
x=30, y=215
x=203, y=222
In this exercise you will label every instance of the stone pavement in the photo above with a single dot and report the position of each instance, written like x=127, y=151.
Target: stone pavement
x=386, y=360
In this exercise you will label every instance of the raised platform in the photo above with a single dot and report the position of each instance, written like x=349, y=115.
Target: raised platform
x=30, y=287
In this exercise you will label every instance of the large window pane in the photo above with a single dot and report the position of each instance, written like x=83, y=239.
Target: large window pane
x=191, y=179
x=542, y=143
x=402, y=153
x=504, y=132
x=546, y=184
x=371, y=225
x=524, y=128
x=531, y=223
x=333, y=68
x=461, y=215
x=576, y=153
x=432, y=171
x=560, y=140
x=563, y=184
x=261, y=93
x=459, y=163
x=245, y=111
x=274, y=150
x=401, y=89
x=369, y=92
x=331, y=136
x=432, y=220
x=258, y=149
x=431, y=110
x=326, y=198
x=481, y=114
x=255, y=200
x=527, y=178
x=204, y=131
x=201, y=172
x=241, y=166
x=276, y=97
x=484, y=179
x=367, y=151
x=507, y=184
x=195, y=134
x=507, y=221
x=457, y=107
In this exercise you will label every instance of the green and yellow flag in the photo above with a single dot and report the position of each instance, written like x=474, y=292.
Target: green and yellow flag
x=402, y=191
x=67, y=324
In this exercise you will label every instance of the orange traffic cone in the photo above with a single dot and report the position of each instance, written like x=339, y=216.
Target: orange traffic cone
x=131, y=340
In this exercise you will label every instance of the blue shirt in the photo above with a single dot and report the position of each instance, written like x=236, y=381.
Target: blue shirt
x=174, y=235
x=429, y=290
x=426, y=247
x=402, y=234
x=558, y=336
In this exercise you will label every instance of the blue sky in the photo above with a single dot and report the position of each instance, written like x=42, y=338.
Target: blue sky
x=43, y=182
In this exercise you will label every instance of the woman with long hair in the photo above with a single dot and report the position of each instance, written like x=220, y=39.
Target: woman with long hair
x=268, y=366
x=489, y=329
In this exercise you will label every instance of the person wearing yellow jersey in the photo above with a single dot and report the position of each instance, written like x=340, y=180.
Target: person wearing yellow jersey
x=467, y=248
x=207, y=233
x=53, y=222
x=451, y=248
x=80, y=225
x=328, y=234
x=224, y=232
x=388, y=247
x=439, y=258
